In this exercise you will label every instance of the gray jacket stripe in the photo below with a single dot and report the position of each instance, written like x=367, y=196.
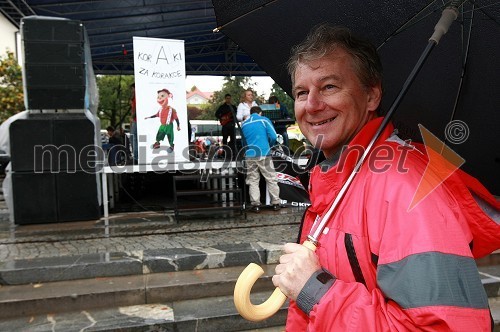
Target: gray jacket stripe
x=433, y=279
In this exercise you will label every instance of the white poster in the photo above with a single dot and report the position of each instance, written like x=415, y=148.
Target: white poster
x=160, y=86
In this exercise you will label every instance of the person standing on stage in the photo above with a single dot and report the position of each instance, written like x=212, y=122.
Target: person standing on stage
x=246, y=102
x=133, y=123
x=226, y=113
x=259, y=136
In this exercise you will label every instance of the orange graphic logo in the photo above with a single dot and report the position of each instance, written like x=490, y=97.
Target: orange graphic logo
x=443, y=161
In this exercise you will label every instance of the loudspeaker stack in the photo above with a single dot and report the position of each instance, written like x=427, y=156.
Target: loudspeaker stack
x=54, y=164
x=54, y=158
x=54, y=63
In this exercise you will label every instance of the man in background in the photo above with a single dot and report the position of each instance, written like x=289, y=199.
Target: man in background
x=259, y=136
x=226, y=114
x=133, y=123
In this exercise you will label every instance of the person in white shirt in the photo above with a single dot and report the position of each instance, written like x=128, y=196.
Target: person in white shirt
x=246, y=102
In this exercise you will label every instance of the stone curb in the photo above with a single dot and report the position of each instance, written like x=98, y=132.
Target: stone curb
x=213, y=314
x=40, y=270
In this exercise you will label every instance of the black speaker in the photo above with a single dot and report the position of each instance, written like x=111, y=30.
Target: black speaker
x=77, y=196
x=54, y=197
x=55, y=76
x=34, y=198
x=79, y=135
x=48, y=52
x=52, y=29
x=54, y=63
x=53, y=143
x=55, y=98
x=27, y=141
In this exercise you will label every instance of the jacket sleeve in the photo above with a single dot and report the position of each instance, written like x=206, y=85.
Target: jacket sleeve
x=218, y=113
x=426, y=277
x=240, y=112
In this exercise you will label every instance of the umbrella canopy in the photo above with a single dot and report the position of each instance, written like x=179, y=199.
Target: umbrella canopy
x=457, y=93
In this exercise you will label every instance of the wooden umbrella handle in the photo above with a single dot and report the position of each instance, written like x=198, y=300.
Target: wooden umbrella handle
x=244, y=285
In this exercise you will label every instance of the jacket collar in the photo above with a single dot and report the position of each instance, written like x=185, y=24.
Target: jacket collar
x=328, y=177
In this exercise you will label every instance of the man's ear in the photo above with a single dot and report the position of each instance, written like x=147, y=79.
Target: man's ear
x=374, y=97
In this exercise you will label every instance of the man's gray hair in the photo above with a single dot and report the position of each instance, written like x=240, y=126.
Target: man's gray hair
x=324, y=38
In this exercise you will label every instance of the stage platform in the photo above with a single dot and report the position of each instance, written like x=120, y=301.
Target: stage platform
x=111, y=175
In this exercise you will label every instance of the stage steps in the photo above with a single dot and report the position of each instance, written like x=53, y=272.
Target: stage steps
x=208, y=193
x=181, y=299
x=195, y=300
x=193, y=291
x=210, y=314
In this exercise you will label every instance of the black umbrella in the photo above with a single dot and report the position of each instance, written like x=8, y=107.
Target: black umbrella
x=456, y=95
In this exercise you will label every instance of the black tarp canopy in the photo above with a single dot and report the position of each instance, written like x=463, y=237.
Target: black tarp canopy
x=111, y=24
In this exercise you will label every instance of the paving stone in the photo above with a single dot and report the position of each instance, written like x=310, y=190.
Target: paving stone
x=57, y=268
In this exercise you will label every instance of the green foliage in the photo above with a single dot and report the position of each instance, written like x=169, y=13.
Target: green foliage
x=284, y=98
x=234, y=85
x=207, y=113
x=11, y=87
x=194, y=112
x=114, y=99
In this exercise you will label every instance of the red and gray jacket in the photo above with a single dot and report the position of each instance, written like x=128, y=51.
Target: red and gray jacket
x=396, y=269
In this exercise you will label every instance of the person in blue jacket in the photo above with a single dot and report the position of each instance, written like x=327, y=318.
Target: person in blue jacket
x=259, y=136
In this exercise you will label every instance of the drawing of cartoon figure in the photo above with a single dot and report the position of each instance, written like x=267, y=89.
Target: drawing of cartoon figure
x=167, y=115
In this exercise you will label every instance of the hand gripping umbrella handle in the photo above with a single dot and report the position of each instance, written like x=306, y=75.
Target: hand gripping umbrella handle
x=244, y=285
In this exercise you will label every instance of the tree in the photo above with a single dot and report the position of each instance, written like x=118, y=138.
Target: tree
x=208, y=112
x=284, y=98
x=234, y=85
x=194, y=112
x=11, y=87
x=114, y=99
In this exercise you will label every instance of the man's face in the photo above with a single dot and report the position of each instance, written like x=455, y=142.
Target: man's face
x=331, y=104
x=228, y=99
x=162, y=98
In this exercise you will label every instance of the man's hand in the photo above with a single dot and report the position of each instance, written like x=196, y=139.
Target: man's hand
x=178, y=128
x=294, y=269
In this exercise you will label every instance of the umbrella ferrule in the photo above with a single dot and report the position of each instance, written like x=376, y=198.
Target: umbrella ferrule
x=448, y=15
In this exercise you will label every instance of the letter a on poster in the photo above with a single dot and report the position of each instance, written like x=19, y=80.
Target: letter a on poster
x=160, y=86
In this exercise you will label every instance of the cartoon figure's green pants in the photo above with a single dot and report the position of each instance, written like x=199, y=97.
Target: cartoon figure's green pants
x=166, y=130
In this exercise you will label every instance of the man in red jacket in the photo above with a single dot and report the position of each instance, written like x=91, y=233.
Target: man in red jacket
x=379, y=266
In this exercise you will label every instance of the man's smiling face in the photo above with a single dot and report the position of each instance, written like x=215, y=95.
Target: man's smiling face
x=331, y=104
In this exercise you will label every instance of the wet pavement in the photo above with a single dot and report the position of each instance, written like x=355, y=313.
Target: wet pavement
x=138, y=270
x=126, y=232
x=152, y=243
